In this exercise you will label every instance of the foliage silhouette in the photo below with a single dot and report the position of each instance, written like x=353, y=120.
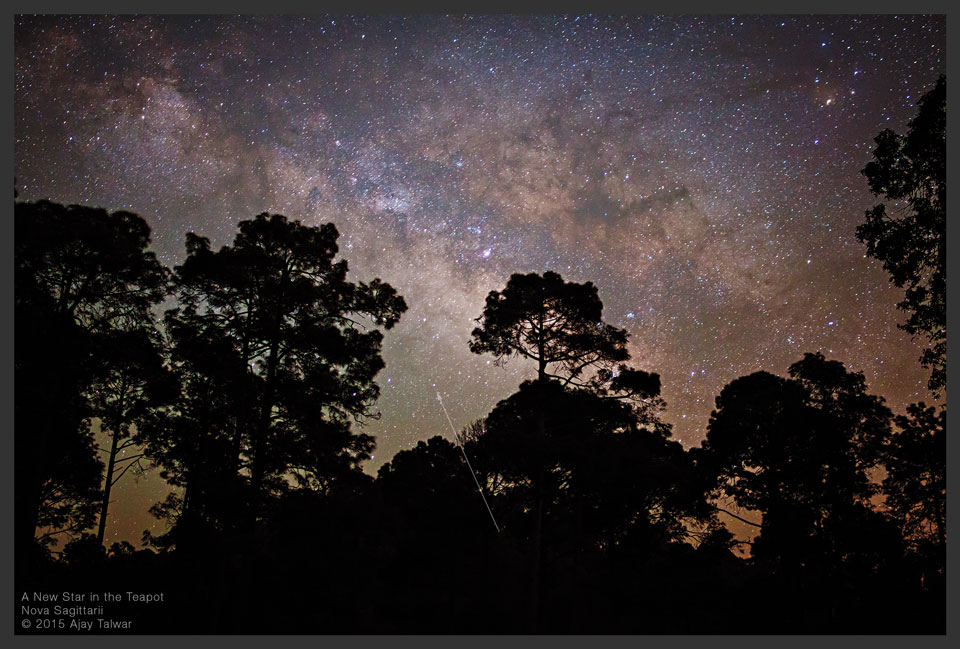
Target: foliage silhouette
x=559, y=326
x=915, y=485
x=57, y=476
x=799, y=450
x=585, y=410
x=81, y=273
x=602, y=477
x=910, y=170
x=268, y=358
x=130, y=382
x=295, y=363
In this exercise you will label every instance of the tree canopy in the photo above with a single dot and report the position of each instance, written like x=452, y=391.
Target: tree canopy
x=916, y=482
x=797, y=449
x=298, y=349
x=601, y=474
x=81, y=274
x=248, y=396
x=910, y=171
x=559, y=325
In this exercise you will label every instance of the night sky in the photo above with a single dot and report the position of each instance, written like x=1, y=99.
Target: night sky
x=702, y=172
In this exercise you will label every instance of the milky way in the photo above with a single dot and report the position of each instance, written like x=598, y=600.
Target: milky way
x=702, y=172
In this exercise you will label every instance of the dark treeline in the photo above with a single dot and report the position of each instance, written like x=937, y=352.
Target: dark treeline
x=243, y=395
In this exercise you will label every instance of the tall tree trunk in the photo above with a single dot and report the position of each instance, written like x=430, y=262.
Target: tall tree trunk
x=259, y=468
x=108, y=485
x=112, y=462
x=537, y=537
x=245, y=372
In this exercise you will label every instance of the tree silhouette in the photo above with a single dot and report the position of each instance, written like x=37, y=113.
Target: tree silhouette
x=915, y=485
x=80, y=273
x=915, y=488
x=601, y=474
x=841, y=396
x=94, y=265
x=910, y=170
x=57, y=473
x=431, y=492
x=129, y=382
x=799, y=450
x=201, y=441
x=472, y=431
x=557, y=325
x=293, y=351
x=245, y=402
x=442, y=548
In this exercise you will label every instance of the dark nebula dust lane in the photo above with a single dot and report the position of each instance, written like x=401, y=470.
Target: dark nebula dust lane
x=703, y=172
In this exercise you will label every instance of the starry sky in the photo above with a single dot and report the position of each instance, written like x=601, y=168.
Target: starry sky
x=703, y=172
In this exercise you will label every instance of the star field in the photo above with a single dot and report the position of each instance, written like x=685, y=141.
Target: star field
x=702, y=172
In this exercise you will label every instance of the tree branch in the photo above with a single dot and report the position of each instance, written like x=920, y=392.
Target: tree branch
x=743, y=520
